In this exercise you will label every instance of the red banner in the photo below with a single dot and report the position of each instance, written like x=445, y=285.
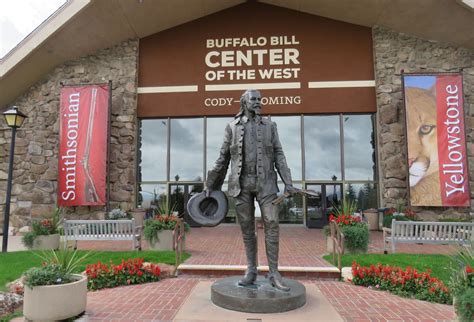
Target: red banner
x=82, y=168
x=452, y=154
x=437, y=156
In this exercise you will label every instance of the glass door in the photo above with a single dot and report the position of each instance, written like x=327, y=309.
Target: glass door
x=318, y=208
x=179, y=195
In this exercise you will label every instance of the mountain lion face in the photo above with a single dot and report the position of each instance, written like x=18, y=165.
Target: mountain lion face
x=422, y=134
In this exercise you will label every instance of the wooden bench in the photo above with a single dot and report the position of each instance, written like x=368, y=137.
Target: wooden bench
x=103, y=230
x=425, y=232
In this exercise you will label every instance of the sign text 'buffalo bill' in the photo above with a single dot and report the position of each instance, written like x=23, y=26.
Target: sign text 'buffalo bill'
x=301, y=63
x=437, y=157
x=251, y=57
x=82, y=156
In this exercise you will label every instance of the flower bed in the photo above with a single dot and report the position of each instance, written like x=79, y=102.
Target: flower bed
x=129, y=272
x=407, y=283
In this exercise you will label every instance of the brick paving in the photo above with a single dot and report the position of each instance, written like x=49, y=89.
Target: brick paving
x=299, y=246
x=161, y=301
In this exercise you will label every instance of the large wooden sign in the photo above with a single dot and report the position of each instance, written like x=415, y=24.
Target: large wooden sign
x=300, y=62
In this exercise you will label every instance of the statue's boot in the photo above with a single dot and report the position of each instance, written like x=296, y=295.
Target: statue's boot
x=247, y=225
x=272, y=232
x=251, y=252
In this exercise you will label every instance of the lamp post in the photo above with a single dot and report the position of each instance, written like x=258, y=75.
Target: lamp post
x=14, y=119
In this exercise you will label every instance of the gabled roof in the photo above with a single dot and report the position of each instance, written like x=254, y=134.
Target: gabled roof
x=82, y=27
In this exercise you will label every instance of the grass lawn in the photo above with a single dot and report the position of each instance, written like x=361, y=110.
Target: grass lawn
x=440, y=265
x=13, y=264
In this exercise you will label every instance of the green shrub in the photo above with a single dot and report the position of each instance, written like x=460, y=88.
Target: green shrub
x=356, y=237
x=464, y=305
x=58, y=267
x=48, y=226
x=387, y=220
x=49, y=274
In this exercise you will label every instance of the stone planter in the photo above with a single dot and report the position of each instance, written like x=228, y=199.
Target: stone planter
x=164, y=240
x=56, y=302
x=46, y=242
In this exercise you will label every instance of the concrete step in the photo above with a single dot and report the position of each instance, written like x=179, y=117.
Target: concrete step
x=287, y=271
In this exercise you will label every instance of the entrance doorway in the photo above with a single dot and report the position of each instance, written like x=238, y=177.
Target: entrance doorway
x=318, y=208
x=179, y=194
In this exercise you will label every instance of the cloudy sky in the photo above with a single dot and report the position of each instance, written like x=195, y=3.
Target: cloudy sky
x=20, y=17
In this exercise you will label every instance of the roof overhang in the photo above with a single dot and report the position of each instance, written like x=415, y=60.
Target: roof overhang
x=82, y=27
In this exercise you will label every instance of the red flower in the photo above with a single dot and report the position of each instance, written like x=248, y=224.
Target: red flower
x=139, y=273
x=469, y=269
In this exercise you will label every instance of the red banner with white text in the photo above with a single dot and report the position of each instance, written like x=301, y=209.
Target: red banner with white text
x=437, y=155
x=82, y=168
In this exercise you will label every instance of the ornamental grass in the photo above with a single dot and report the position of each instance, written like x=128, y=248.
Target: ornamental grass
x=407, y=283
x=129, y=272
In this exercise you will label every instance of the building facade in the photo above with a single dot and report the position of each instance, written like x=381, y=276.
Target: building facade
x=333, y=88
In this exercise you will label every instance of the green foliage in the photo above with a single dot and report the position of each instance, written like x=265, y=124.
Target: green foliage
x=28, y=239
x=347, y=207
x=48, y=226
x=67, y=260
x=118, y=213
x=48, y=274
x=157, y=224
x=464, y=305
x=356, y=237
x=462, y=277
x=13, y=264
x=387, y=220
x=327, y=231
x=57, y=268
x=163, y=208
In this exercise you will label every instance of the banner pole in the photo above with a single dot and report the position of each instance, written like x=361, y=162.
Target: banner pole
x=107, y=198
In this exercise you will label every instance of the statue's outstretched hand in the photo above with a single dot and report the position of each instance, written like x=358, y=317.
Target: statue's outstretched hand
x=289, y=189
x=208, y=192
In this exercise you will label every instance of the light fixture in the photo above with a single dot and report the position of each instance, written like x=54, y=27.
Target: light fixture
x=14, y=117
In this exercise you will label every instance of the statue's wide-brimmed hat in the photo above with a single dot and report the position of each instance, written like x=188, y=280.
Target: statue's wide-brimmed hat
x=208, y=211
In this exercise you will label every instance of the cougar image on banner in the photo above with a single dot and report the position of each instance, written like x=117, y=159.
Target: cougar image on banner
x=422, y=140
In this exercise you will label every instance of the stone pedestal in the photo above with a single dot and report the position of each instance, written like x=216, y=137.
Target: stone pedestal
x=258, y=298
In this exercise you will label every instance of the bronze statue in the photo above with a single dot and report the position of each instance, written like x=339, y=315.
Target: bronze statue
x=252, y=147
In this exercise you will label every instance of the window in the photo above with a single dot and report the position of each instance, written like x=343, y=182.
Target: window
x=187, y=149
x=322, y=147
x=153, y=150
x=359, y=150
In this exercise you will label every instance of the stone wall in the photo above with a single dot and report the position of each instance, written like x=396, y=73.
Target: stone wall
x=394, y=52
x=36, y=150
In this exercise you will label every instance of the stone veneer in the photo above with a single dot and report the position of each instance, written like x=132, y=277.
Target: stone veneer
x=36, y=150
x=394, y=52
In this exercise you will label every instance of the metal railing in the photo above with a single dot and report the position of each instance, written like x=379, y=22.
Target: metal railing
x=337, y=238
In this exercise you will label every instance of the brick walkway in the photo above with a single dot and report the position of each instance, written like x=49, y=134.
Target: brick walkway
x=299, y=246
x=161, y=301
x=223, y=245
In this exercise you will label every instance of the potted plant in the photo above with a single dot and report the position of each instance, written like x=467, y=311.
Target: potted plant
x=356, y=232
x=159, y=230
x=399, y=212
x=118, y=214
x=44, y=234
x=462, y=283
x=52, y=292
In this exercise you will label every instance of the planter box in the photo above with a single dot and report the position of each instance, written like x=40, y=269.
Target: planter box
x=46, y=242
x=56, y=302
x=164, y=240
x=346, y=251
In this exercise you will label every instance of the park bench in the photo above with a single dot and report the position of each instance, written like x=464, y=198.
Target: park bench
x=424, y=232
x=103, y=230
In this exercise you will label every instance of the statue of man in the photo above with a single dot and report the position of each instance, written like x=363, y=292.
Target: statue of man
x=252, y=147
